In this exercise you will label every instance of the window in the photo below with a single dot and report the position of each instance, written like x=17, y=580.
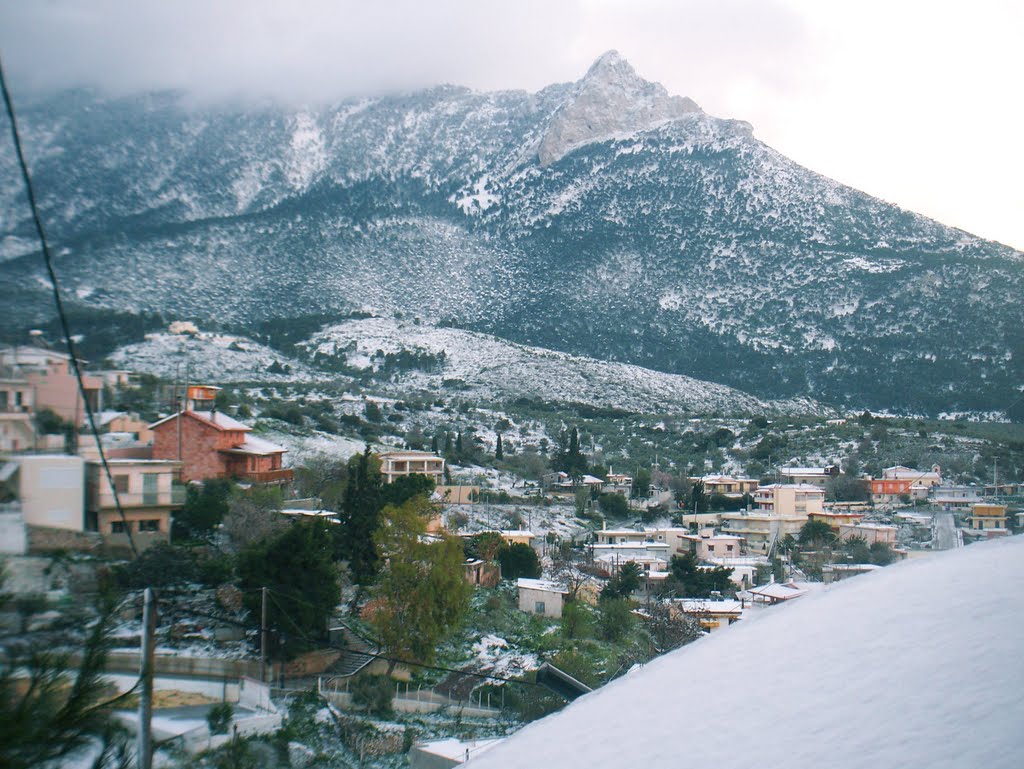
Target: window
x=150, y=525
x=711, y=548
x=728, y=548
x=121, y=484
x=538, y=607
x=150, y=488
x=118, y=527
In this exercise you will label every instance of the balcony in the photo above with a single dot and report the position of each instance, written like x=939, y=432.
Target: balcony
x=283, y=475
x=105, y=500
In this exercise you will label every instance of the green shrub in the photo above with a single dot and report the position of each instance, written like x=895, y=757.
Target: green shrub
x=374, y=693
x=219, y=718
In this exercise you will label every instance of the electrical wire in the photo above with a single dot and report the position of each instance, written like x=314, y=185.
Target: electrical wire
x=65, y=328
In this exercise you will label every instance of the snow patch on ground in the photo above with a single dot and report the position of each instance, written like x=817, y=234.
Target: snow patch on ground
x=493, y=655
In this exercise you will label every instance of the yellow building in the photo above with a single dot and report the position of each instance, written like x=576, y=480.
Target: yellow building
x=761, y=528
x=726, y=484
x=988, y=517
x=790, y=499
x=394, y=464
x=146, y=493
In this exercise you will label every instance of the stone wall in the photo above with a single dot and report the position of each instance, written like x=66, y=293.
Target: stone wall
x=311, y=663
x=43, y=539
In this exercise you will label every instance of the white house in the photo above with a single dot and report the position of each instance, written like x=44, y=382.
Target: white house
x=541, y=596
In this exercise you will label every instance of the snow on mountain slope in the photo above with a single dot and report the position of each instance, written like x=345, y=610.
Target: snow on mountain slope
x=210, y=358
x=914, y=665
x=475, y=365
x=486, y=367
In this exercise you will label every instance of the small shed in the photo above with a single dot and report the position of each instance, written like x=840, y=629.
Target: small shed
x=540, y=596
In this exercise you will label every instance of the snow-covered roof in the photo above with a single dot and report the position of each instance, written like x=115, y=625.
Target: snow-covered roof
x=869, y=527
x=704, y=606
x=456, y=750
x=258, y=446
x=807, y=487
x=217, y=419
x=778, y=590
x=409, y=455
x=540, y=584
x=900, y=659
x=899, y=472
x=624, y=559
x=624, y=533
x=104, y=418
x=724, y=479
x=854, y=567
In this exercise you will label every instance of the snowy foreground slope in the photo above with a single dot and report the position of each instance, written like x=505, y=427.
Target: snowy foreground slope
x=917, y=665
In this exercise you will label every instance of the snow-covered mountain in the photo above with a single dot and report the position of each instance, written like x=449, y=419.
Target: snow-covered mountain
x=604, y=218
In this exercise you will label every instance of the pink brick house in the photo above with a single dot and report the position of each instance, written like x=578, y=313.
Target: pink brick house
x=213, y=445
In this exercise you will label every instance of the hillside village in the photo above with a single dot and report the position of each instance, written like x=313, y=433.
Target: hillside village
x=413, y=593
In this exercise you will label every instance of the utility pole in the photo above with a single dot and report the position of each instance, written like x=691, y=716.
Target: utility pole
x=145, y=736
x=263, y=637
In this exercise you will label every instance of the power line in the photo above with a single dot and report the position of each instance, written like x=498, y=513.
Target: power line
x=65, y=328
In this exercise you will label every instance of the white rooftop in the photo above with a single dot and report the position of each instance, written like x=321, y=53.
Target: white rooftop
x=707, y=606
x=540, y=584
x=778, y=590
x=217, y=418
x=457, y=750
x=808, y=487
x=258, y=446
x=915, y=665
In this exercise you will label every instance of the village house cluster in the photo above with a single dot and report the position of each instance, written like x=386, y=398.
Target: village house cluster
x=64, y=498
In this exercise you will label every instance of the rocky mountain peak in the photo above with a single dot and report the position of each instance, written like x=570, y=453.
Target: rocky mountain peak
x=610, y=99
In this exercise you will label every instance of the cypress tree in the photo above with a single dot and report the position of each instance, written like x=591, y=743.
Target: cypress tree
x=360, y=519
x=498, y=453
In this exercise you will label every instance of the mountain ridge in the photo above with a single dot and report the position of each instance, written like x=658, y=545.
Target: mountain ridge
x=685, y=246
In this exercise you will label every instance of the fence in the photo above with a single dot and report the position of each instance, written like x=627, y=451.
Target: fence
x=409, y=699
x=190, y=667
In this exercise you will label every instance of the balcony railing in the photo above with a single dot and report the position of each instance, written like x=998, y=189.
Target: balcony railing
x=283, y=475
x=135, y=499
x=178, y=494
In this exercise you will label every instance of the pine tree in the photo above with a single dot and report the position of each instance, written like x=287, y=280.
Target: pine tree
x=498, y=453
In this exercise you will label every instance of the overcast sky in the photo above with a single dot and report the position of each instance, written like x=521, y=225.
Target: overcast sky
x=918, y=103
